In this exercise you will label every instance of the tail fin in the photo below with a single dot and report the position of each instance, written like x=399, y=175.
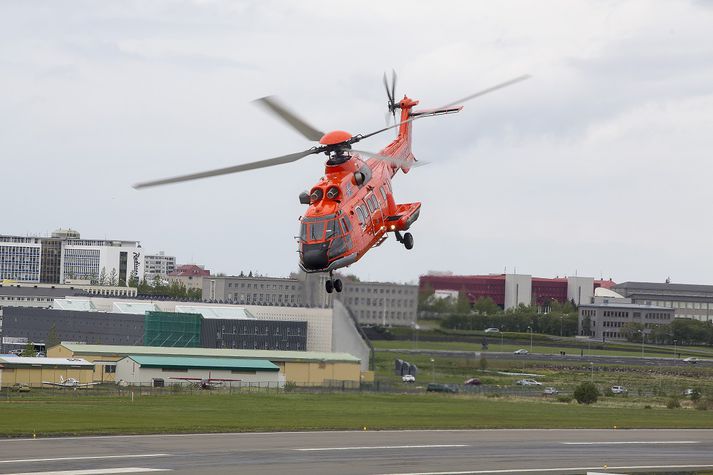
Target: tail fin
x=61, y=379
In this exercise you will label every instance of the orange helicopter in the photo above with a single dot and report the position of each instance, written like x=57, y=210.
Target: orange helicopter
x=352, y=208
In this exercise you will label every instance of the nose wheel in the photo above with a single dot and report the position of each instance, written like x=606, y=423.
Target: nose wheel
x=406, y=239
x=333, y=284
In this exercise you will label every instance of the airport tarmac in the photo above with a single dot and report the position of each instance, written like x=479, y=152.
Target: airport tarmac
x=366, y=452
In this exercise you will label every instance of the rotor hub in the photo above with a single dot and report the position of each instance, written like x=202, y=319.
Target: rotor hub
x=335, y=137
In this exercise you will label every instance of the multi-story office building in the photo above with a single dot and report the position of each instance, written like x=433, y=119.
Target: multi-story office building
x=158, y=265
x=511, y=290
x=381, y=303
x=64, y=255
x=254, y=290
x=369, y=302
x=687, y=300
x=605, y=318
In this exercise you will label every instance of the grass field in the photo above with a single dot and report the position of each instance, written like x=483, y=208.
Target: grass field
x=212, y=412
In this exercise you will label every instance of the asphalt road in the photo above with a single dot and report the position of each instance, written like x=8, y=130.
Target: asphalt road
x=365, y=452
x=570, y=358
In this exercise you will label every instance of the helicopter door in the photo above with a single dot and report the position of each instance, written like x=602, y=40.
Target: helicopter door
x=377, y=217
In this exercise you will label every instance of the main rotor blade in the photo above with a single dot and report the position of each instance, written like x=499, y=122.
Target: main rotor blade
x=393, y=88
x=270, y=162
x=273, y=105
x=388, y=92
x=359, y=137
x=488, y=90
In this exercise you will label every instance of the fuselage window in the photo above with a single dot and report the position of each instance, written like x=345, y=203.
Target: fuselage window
x=383, y=193
x=361, y=216
x=368, y=204
x=346, y=225
x=303, y=232
x=374, y=203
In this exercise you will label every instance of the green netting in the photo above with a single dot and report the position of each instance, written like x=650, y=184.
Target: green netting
x=172, y=329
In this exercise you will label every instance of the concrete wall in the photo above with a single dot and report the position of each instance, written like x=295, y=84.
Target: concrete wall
x=580, y=289
x=346, y=338
x=518, y=290
x=34, y=376
x=319, y=373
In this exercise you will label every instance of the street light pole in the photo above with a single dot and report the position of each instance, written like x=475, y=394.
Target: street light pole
x=674, y=350
x=591, y=364
x=530, y=330
x=433, y=370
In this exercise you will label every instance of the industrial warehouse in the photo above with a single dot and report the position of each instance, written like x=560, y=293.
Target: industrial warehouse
x=299, y=367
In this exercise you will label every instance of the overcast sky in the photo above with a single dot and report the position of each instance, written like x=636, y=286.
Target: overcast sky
x=599, y=165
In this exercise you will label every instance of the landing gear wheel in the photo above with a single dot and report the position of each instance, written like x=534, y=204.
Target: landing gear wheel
x=408, y=241
x=329, y=286
x=338, y=285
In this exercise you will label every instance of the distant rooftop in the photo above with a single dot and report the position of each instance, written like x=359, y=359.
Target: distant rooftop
x=32, y=361
x=664, y=287
x=136, y=308
x=272, y=355
x=79, y=305
x=233, y=313
x=189, y=362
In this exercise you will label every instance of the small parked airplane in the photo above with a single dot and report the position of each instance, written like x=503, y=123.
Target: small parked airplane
x=69, y=383
x=206, y=383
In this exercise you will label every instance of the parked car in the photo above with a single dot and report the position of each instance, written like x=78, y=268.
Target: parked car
x=408, y=378
x=618, y=390
x=16, y=352
x=690, y=392
x=41, y=354
x=441, y=388
x=550, y=391
x=20, y=388
x=691, y=359
x=492, y=330
x=528, y=382
x=521, y=351
x=472, y=382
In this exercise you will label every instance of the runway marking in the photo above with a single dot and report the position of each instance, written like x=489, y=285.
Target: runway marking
x=375, y=447
x=252, y=434
x=88, y=457
x=98, y=471
x=551, y=469
x=627, y=442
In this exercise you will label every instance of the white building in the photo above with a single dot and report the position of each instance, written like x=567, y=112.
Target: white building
x=173, y=370
x=64, y=256
x=158, y=265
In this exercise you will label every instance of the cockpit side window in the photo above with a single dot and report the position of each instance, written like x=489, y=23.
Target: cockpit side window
x=383, y=193
x=303, y=231
x=332, y=229
x=346, y=225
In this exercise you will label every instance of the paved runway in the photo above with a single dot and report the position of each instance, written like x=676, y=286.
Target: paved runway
x=382, y=452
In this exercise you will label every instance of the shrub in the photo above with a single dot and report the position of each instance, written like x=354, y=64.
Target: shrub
x=564, y=398
x=483, y=362
x=673, y=403
x=703, y=404
x=290, y=386
x=695, y=395
x=586, y=393
x=648, y=406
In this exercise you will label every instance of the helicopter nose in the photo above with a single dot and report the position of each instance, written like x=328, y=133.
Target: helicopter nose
x=314, y=257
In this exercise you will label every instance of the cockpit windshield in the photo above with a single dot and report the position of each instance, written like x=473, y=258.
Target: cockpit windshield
x=319, y=229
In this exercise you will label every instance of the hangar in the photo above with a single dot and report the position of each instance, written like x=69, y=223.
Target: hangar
x=301, y=367
x=32, y=371
x=173, y=370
